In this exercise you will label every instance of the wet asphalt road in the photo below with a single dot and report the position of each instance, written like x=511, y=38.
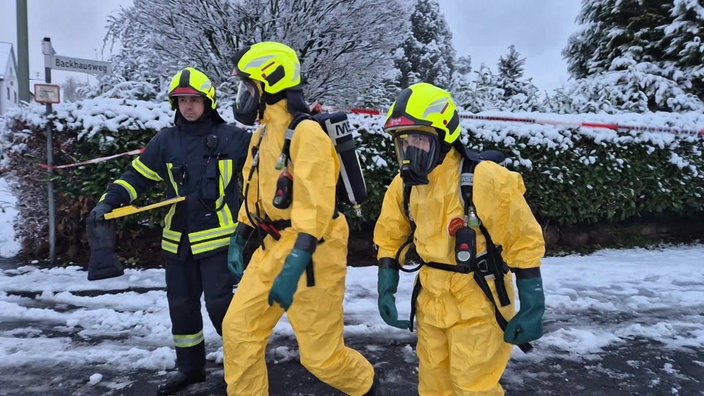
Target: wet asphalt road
x=638, y=368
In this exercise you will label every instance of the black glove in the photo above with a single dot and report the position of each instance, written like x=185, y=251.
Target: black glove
x=101, y=235
x=103, y=263
x=98, y=213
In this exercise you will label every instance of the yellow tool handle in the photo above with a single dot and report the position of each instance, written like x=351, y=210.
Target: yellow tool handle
x=131, y=209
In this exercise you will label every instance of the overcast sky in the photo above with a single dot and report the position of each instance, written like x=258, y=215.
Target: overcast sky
x=482, y=29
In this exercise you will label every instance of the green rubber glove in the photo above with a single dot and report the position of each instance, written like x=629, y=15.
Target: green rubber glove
x=235, y=253
x=527, y=325
x=286, y=282
x=387, y=286
x=235, y=256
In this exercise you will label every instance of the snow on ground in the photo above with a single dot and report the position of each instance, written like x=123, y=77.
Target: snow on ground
x=597, y=302
x=130, y=318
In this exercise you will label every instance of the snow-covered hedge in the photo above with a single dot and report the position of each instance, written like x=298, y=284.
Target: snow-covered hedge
x=574, y=175
x=580, y=175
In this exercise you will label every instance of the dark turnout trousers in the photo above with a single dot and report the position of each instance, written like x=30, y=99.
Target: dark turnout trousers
x=186, y=280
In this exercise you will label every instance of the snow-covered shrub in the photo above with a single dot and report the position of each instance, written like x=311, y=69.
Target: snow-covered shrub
x=632, y=90
x=574, y=175
x=578, y=175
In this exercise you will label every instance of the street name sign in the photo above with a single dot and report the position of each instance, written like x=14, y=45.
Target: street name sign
x=80, y=65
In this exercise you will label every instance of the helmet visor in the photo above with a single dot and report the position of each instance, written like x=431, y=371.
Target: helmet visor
x=416, y=150
x=247, y=102
x=185, y=91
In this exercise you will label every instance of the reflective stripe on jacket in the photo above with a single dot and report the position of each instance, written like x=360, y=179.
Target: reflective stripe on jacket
x=199, y=161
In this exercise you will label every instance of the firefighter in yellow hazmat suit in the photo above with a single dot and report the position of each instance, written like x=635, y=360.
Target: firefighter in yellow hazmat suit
x=461, y=348
x=289, y=204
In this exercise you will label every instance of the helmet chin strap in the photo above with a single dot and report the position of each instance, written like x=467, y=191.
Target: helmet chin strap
x=262, y=107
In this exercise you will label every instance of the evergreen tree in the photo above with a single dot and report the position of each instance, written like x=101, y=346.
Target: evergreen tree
x=683, y=44
x=612, y=29
x=486, y=95
x=427, y=52
x=461, y=87
x=379, y=94
x=648, y=49
x=510, y=68
x=519, y=94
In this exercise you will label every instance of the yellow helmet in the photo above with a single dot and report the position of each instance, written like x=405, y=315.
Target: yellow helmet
x=424, y=104
x=273, y=64
x=191, y=82
x=424, y=123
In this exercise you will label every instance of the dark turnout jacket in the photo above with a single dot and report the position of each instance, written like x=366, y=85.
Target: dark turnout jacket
x=200, y=161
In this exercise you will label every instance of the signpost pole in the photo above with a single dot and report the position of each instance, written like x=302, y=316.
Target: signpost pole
x=48, y=51
x=48, y=93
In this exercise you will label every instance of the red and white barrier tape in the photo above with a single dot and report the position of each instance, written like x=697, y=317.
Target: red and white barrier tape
x=575, y=124
x=93, y=161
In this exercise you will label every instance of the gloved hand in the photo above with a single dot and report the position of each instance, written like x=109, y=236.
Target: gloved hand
x=98, y=213
x=286, y=282
x=103, y=262
x=387, y=286
x=235, y=253
x=527, y=324
x=101, y=234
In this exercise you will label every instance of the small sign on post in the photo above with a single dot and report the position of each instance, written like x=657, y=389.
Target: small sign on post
x=47, y=93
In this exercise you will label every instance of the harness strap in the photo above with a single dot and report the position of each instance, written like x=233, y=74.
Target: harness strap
x=275, y=226
x=407, y=208
x=460, y=268
x=280, y=224
x=500, y=320
x=414, y=298
x=266, y=225
x=498, y=268
x=481, y=264
x=481, y=272
x=310, y=275
x=288, y=136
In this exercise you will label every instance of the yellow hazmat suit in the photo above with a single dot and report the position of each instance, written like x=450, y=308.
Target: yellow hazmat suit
x=316, y=314
x=460, y=348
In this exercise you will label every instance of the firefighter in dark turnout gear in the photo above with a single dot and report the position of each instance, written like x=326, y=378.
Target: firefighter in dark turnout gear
x=198, y=158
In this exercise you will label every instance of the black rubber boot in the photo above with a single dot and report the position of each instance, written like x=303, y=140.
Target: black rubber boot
x=376, y=389
x=180, y=380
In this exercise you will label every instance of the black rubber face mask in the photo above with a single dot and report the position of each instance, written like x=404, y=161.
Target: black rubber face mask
x=410, y=171
x=417, y=155
x=247, y=102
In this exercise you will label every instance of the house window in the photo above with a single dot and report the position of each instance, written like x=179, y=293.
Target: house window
x=8, y=93
x=15, y=97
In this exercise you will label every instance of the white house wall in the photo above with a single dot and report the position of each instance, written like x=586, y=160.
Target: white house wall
x=9, y=95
